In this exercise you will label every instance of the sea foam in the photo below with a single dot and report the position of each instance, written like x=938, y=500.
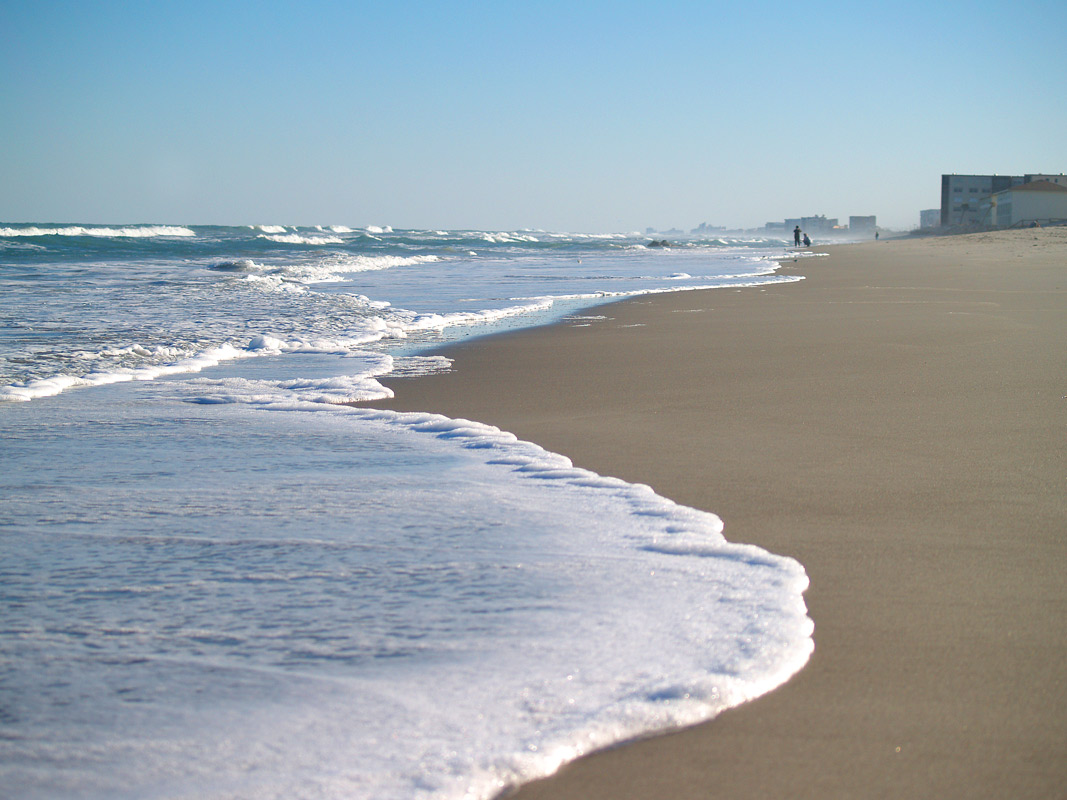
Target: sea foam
x=297, y=238
x=145, y=231
x=247, y=618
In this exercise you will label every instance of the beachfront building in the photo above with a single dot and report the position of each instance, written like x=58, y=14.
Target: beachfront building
x=930, y=218
x=962, y=196
x=1059, y=180
x=965, y=199
x=1041, y=202
x=862, y=226
x=819, y=224
x=708, y=230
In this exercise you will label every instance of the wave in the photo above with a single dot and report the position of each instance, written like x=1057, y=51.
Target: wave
x=48, y=387
x=296, y=238
x=131, y=232
x=296, y=277
x=371, y=263
x=334, y=390
x=334, y=269
x=592, y=236
x=382, y=323
x=508, y=238
x=412, y=321
x=241, y=265
x=184, y=361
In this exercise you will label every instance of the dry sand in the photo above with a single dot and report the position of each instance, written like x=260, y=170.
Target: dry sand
x=896, y=422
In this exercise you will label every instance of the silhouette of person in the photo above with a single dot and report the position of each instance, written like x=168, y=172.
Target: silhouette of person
x=807, y=241
x=796, y=236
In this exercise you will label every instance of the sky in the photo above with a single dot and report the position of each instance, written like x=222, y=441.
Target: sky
x=583, y=116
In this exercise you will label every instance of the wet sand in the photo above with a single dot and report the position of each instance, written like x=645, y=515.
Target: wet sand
x=897, y=422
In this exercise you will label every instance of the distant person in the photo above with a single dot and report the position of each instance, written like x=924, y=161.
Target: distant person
x=876, y=236
x=796, y=236
x=807, y=241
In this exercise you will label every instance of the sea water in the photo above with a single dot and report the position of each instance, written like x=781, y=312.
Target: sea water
x=218, y=582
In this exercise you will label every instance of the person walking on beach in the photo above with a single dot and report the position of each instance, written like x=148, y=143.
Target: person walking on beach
x=796, y=236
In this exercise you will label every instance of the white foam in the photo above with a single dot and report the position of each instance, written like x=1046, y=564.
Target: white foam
x=51, y=386
x=276, y=283
x=373, y=329
x=410, y=366
x=654, y=700
x=134, y=232
x=292, y=393
x=593, y=236
x=718, y=284
x=360, y=263
x=178, y=360
x=412, y=321
x=506, y=238
x=297, y=277
x=296, y=238
x=558, y=611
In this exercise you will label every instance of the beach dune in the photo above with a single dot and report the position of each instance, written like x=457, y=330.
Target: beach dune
x=895, y=422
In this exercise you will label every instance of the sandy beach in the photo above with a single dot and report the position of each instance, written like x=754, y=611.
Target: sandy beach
x=896, y=422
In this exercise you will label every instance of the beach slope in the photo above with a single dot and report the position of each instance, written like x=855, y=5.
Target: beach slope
x=896, y=422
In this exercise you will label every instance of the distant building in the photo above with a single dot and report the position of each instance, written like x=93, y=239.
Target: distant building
x=962, y=196
x=862, y=226
x=1059, y=180
x=1042, y=202
x=819, y=224
x=930, y=218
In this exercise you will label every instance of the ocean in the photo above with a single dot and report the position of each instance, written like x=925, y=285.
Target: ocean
x=220, y=582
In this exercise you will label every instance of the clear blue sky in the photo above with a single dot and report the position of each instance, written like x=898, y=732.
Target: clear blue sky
x=577, y=115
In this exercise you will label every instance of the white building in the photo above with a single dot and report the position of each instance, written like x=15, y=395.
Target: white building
x=965, y=199
x=962, y=196
x=930, y=218
x=1042, y=202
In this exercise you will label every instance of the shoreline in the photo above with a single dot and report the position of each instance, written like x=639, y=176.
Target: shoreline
x=895, y=423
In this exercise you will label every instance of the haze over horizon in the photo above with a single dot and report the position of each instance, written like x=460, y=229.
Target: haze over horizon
x=603, y=117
